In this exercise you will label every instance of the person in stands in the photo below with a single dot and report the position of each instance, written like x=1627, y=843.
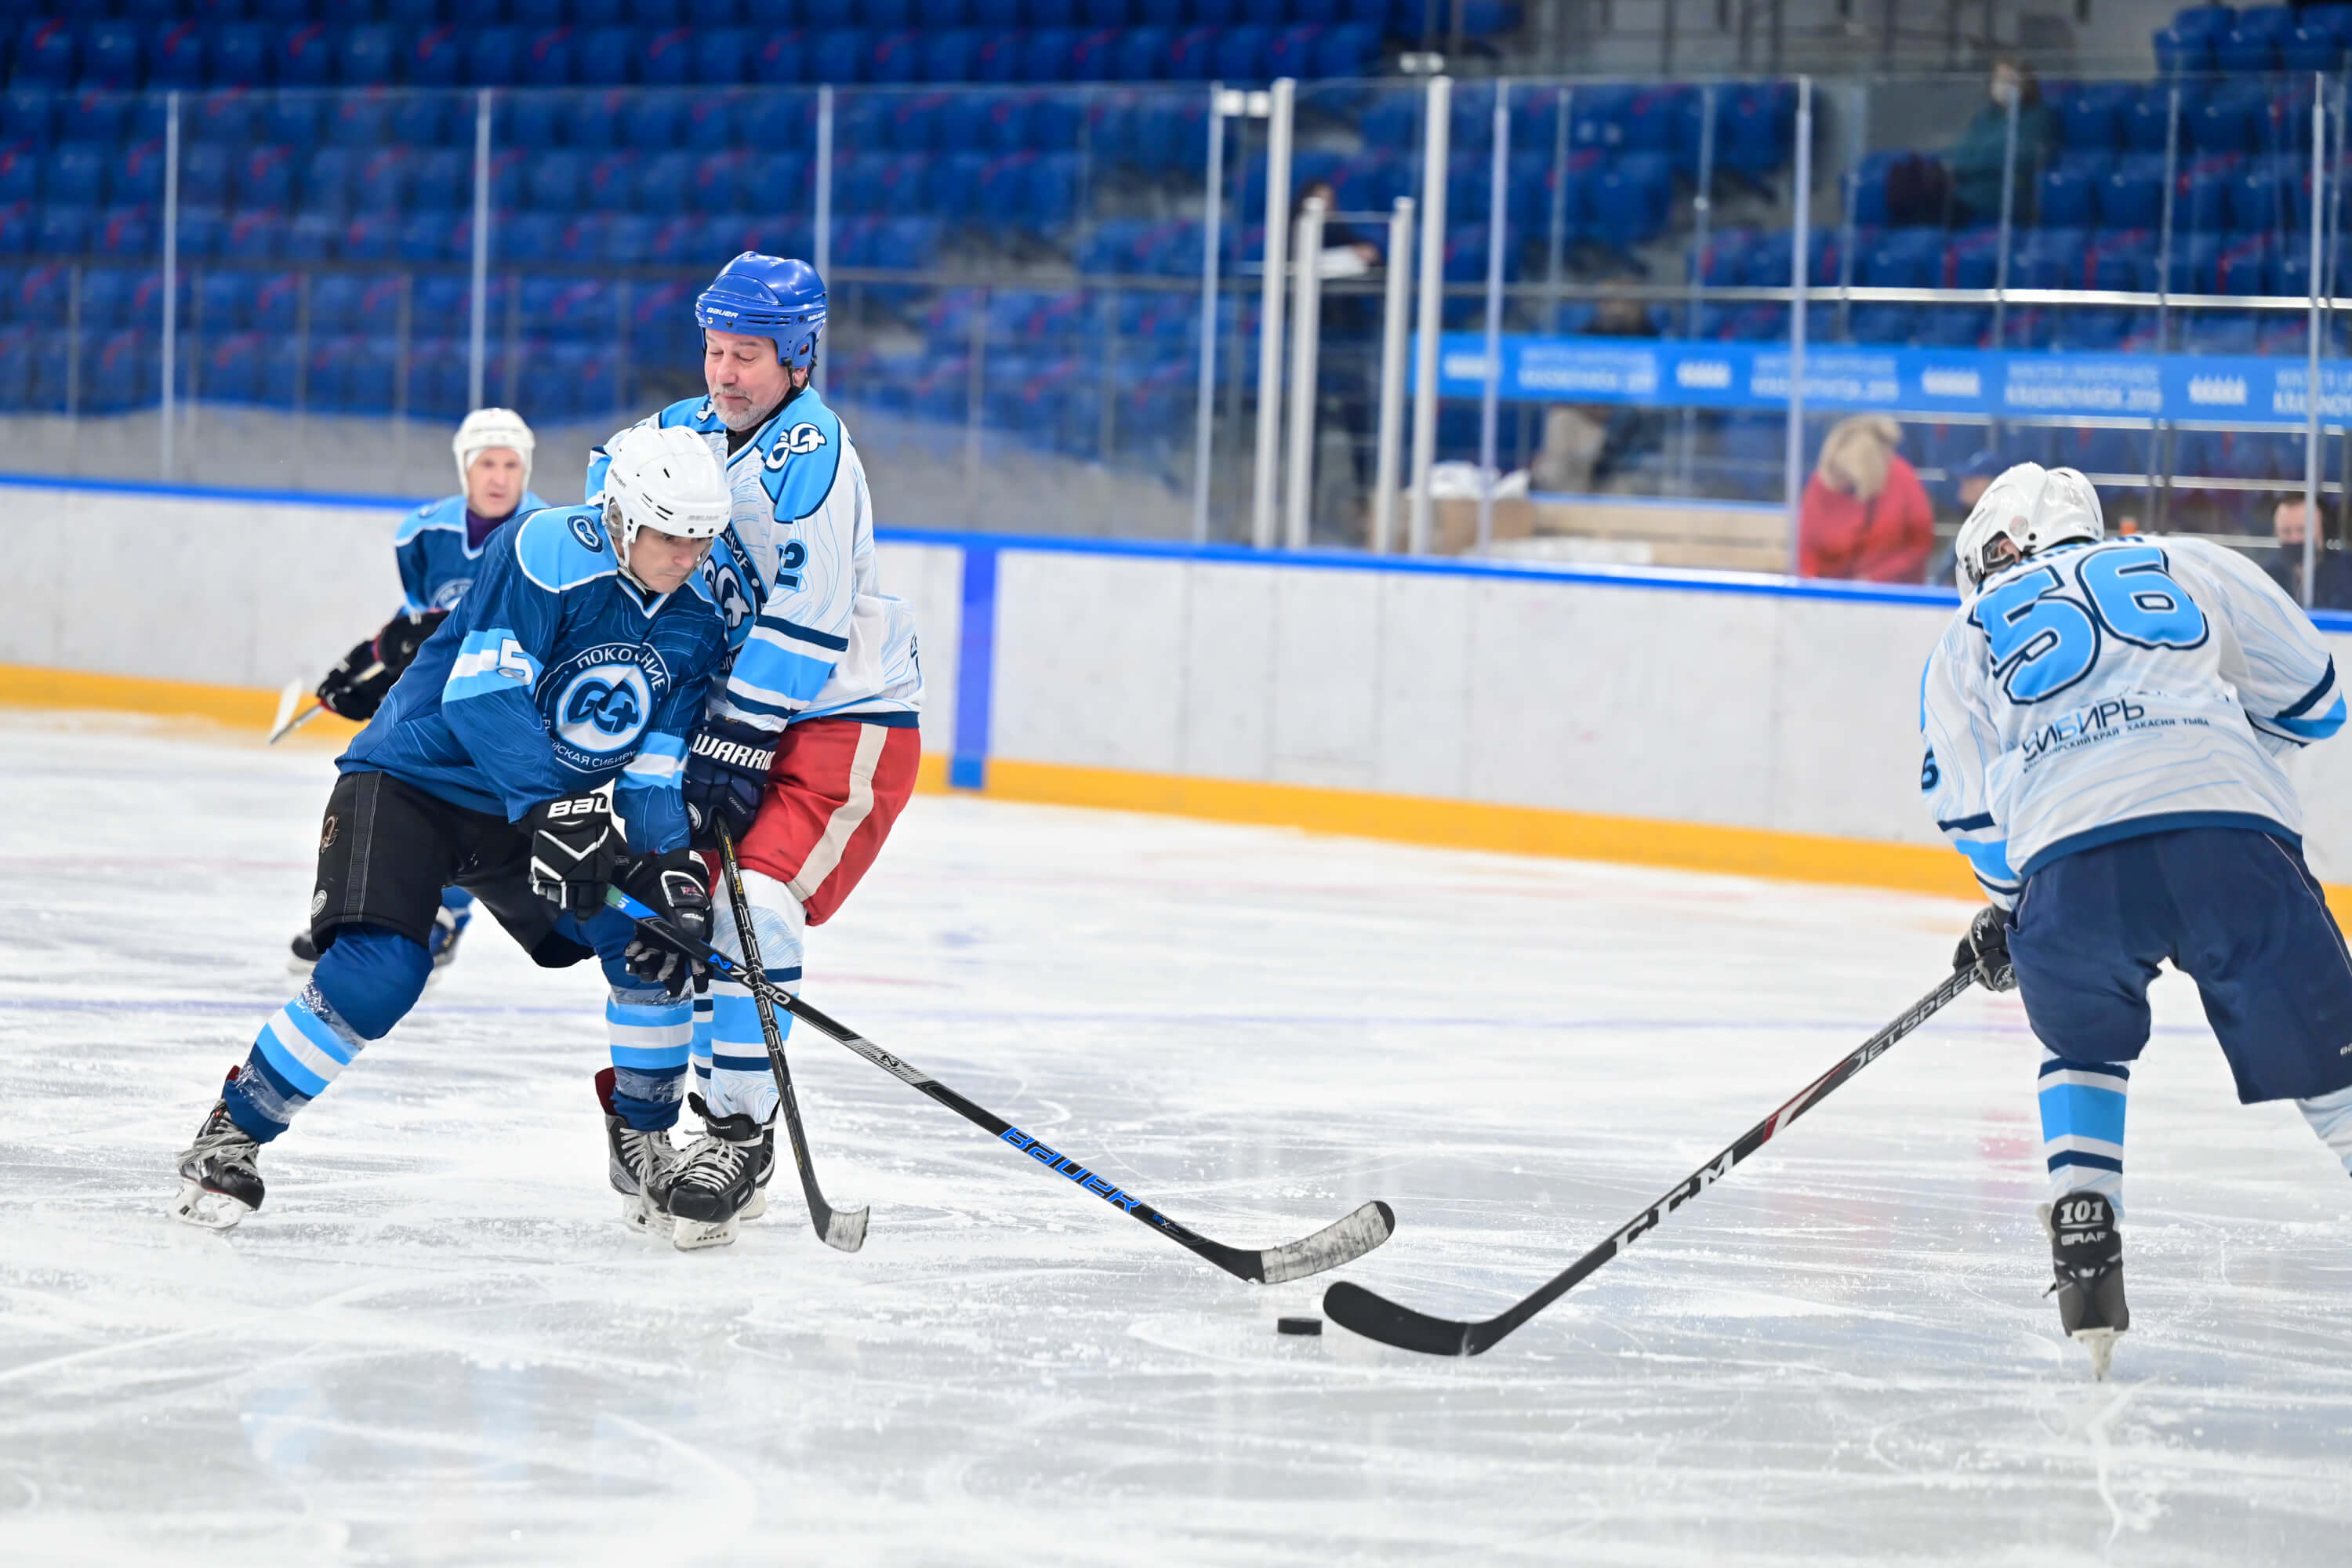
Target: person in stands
x=1864, y=514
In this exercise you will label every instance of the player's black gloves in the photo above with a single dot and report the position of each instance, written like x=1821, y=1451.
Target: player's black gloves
x=1986, y=950
x=359, y=683
x=673, y=885
x=726, y=771
x=575, y=848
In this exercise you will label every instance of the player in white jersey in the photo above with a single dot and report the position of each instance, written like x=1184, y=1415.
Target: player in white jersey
x=2103, y=721
x=808, y=749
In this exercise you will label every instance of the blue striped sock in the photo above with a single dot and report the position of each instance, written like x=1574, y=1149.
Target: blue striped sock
x=2083, y=1125
x=651, y=1033
x=300, y=1050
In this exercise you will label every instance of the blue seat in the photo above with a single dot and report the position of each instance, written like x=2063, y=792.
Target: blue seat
x=914, y=122
x=1292, y=51
x=380, y=182
x=1105, y=14
x=532, y=120
x=255, y=235
x=668, y=58
x=951, y=56
x=2247, y=50
x=665, y=184
x=335, y=304
x=2195, y=260
x=202, y=227
x=1242, y=54
x=236, y=54
x=548, y=58
x=651, y=120
x=366, y=57
x=123, y=231
x=106, y=295
x=225, y=300
x=779, y=121
x=1192, y=57
x=610, y=56
x=1051, y=12
x=1351, y=49
x=435, y=233
x=611, y=181
x=954, y=182
x=2311, y=48
x=176, y=56
x=436, y=57
x=1053, y=182
x=2202, y=204
x=360, y=119
x=537, y=13
x=896, y=57
x=2070, y=189
x=291, y=118
x=555, y=179
x=314, y=237
x=2092, y=114
x=2224, y=122
x=1905, y=259
x=2243, y=266
x=839, y=54
x=628, y=239
x=2049, y=258
x=46, y=54
x=28, y=114
x=440, y=177
x=2132, y=195
x=112, y=56
x=20, y=175
x=2122, y=260
x=2256, y=196
x=327, y=182
x=782, y=58
x=934, y=16
x=302, y=57
x=1629, y=199
x=1883, y=324
x=1046, y=55
x=493, y=57
x=528, y=236
x=137, y=175
x=76, y=174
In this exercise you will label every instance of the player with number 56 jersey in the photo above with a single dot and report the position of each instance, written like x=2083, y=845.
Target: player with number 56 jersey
x=2105, y=719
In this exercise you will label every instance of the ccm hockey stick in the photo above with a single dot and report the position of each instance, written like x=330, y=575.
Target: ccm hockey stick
x=841, y=1228
x=287, y=721
x=1377, y=1318
x=1343, y=1241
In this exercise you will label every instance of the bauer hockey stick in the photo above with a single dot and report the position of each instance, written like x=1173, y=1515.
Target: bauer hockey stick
x=1342, y=1241
x=841, y=1228
x=1377, y=1318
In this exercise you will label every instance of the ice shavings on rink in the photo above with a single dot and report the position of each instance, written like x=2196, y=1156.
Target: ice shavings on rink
x=436, y=1340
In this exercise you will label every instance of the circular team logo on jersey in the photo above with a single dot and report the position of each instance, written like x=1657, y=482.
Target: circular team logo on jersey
x=451, y=592
x=603, y=707
x=585, y=529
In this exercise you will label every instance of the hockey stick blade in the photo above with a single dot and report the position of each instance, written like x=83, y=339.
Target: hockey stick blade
x=844, y=1229
x=282, y=721
x=1376, y=1317
x=1334, y=1245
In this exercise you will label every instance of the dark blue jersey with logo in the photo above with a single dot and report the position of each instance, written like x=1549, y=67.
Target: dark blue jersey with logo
x=430, y=548
x=554, y=674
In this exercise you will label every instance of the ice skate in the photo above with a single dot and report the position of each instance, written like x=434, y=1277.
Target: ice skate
x=219, y=1185
x=642, y=1165
x=2087, y=1250
x=722, y=1179
x=303, y=954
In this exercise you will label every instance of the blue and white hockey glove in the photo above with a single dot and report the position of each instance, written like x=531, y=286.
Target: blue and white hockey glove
x=673, y=885
x=1986, y=950
x=726, y=774
x=576, y=847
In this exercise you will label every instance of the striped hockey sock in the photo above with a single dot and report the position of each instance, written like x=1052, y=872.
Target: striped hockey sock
x=732, y=1071
x=2083, y=1125
x=650, y=1032
x=2330, y=1116
x=300, y=1050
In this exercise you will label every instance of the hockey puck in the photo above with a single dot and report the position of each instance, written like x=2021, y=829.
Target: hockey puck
x=1299, y=1325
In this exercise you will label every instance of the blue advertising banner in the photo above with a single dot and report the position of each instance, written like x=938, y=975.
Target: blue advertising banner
x=2187, y=388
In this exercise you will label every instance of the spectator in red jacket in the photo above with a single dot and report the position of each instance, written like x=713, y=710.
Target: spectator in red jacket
x=1864, y=514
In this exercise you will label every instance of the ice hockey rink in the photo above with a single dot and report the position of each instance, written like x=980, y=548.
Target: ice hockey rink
x=437, y=1342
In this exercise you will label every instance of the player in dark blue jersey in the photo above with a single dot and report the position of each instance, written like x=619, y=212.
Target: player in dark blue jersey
x=531, y=753
x=438, y=549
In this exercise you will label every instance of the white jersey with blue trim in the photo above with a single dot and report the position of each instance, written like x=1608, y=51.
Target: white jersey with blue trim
x=429, y=548
x=814, y=635
x=2104, y=691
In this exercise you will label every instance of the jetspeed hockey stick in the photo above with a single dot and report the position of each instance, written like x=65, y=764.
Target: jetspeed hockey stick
x=1343, y=1241
x=842, y=1229
x=1377, y=1318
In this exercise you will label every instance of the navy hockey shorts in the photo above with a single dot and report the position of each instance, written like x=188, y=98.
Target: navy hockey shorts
x=2235, y=909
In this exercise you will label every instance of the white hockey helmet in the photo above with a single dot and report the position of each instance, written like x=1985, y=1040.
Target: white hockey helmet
x=486, y=429
x=665, y=479
x=2026, y=511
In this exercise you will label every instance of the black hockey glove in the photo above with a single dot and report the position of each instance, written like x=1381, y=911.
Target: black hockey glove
x=1986, y=950
x=673, y=885
x=358, y=685
x=575, y=848
x=726, y=772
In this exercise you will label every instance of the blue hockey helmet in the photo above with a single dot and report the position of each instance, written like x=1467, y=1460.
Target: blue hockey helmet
x=767, y=296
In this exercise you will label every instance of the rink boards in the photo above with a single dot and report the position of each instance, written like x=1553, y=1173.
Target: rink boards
x=1712, y=721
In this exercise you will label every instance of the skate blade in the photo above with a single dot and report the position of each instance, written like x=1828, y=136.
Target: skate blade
x=757, y=1207
x=199, y=1205
x=642, y=1215
x=2101, y=1343
x=694, y=1235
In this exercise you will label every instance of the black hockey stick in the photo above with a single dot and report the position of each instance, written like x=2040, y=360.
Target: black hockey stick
x=1342, y=1241
x=1375, y=1317
x=842, y=1229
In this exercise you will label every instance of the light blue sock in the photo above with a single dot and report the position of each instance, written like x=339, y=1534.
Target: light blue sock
x=2330, y=1116
x=2082, y=1126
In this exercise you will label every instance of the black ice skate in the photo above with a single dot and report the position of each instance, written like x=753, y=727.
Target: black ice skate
x=642, y=1165
x=302, y=953
x=723, y=1179
x=219, y=1184
x=2087, y=1250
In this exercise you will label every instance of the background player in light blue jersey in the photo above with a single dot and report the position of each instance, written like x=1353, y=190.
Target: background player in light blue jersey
x=438, y=549
x=2103, y=721
x=531, y=753
x=809, y=749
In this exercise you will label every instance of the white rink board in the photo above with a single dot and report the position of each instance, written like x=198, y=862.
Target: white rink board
x=1634, y=696
x=436, y=1343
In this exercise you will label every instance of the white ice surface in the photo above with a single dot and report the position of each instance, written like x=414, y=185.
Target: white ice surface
x=437, y=1342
